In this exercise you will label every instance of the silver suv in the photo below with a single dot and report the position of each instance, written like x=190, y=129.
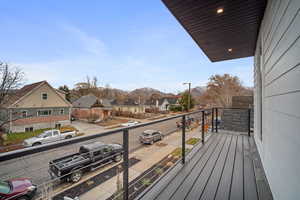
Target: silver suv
x=150, y=136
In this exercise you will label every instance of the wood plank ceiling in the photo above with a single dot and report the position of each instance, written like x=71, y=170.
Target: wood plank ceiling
x=223, y=29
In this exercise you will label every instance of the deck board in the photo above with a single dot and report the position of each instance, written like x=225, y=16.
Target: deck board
x=226, y=167
x=223, y=190
x=250, y=192
x=183, y=178
x=196, y=152
x=263, y=189
x=212, y=184
x=237, y=190
x=204, y=176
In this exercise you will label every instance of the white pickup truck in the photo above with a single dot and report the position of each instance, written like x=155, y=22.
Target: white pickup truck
x=48, y=137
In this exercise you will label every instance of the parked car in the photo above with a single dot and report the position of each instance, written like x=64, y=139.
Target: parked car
x=48, y=137
x=151, y=136
x=90, y=157
x=17, y=189
x=130, y=123
x=188, y=122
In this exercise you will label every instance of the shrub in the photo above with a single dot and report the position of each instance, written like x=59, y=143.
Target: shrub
x=175, y=108
x=146, y=181
x=192, y=141
x=159, y=171
x=177, y=151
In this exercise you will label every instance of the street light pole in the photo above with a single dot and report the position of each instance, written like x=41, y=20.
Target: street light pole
x=189, y=97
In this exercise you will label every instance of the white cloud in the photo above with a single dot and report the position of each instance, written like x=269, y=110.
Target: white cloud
x=90, y=43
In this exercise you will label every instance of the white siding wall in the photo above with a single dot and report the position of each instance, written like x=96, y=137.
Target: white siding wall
x=278, y=59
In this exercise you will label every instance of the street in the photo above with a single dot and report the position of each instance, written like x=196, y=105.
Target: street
x=36, y=166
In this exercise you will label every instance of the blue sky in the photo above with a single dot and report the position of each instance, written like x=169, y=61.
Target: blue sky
x=126, y=44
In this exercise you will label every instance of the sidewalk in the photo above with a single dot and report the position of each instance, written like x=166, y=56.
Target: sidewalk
x=149, y=155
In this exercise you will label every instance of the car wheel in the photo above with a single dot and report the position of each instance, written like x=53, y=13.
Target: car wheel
x=117, y=158
x=68, y=137
x=76, y=176
x=36, y=144
x=23, y=198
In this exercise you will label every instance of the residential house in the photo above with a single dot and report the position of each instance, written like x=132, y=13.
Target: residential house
x=35, y=106
x=90, y=106
x=129, y=105
x=269, y=31
x=163, y=104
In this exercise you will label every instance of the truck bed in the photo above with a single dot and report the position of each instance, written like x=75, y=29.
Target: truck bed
x=67, y=162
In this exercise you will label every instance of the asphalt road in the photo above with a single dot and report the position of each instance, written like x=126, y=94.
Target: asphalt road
x=36, y=166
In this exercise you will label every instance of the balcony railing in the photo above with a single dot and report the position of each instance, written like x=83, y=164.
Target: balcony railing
x=206, y=122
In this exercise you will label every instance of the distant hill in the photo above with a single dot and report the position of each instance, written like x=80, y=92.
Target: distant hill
x=198, y=91
x=146, y=93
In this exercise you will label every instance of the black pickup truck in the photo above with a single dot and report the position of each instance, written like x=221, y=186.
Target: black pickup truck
x=90, y=157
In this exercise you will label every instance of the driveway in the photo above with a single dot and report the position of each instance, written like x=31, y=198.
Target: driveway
x=88, y=128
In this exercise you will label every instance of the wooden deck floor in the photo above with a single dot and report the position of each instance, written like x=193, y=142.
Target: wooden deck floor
x=226, y=167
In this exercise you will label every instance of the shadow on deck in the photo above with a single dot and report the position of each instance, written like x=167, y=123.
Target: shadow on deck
x=227, y=166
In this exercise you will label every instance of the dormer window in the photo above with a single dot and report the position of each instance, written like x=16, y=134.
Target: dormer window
x=44, y=96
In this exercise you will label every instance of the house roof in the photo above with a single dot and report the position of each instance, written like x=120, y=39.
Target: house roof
x=222, y=29
x=19, y=94
x=89, y=101
x=126, y=102
x=171, y=100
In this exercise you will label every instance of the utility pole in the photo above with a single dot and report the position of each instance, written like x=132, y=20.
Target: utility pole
x=189, y=97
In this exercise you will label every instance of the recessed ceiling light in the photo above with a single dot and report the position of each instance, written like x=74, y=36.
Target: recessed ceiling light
x=230, y=50
x=220, y=10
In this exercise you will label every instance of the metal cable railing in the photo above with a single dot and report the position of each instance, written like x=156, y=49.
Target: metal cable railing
x=208, y=119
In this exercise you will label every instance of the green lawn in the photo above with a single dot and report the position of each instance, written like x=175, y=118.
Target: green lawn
x=15, y=138
x=192, y=141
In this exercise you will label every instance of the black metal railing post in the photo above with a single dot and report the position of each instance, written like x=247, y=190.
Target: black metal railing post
x=125, y=164
x=212, y=119
x=217, y=119
x=249, y=121
x=203, y=125
x=183, y=140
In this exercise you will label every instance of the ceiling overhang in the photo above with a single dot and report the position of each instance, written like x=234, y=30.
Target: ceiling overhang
x=223, y=29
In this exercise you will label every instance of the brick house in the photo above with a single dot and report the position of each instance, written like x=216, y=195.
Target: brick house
x=89, y=105
x=35, y=106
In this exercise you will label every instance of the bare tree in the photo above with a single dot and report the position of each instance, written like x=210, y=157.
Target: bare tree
x=11, y=78
x=221, y=89
x=95, y=82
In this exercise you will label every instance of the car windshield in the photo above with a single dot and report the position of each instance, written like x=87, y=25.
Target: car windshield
x=45, y=134
x=4, y=187
x=146, y=134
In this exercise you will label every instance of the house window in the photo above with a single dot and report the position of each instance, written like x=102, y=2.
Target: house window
x=44, y=112
x=24, y=113
x=57, y=126
x=28, y=129
x=44, y=96
x=61, y=111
